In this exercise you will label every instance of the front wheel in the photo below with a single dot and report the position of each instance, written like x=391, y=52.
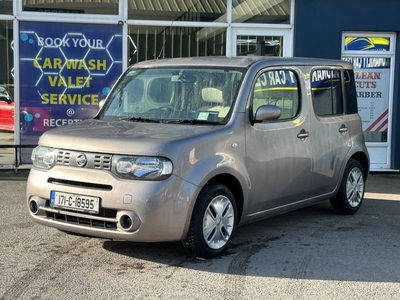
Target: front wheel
x=351, y=191
x=213, y=222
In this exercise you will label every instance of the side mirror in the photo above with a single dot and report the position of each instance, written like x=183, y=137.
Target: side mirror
x=6, y=99
x=267, y=112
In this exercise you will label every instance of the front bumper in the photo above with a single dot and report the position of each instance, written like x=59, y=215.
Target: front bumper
x=131, y=210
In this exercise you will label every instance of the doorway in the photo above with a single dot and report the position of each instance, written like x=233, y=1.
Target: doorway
x=261, y=42
x=373, y=55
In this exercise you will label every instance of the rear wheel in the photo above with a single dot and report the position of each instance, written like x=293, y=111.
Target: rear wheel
x=351, y=191
x=213, y=222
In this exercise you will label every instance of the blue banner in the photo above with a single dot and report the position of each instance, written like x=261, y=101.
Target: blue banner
x=65, y=70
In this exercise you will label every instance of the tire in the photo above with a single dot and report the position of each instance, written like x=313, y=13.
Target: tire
x=213, y=222
x=351, y=191
x=73, y=233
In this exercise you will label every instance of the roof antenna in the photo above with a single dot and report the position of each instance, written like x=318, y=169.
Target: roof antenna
x=162, y=49
x=165, y=40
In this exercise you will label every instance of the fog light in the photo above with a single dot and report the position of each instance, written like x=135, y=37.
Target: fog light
x=128, y=221
x=34, y=205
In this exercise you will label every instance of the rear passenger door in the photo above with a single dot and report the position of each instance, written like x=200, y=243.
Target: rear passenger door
x=330, y=128
x=278, y=158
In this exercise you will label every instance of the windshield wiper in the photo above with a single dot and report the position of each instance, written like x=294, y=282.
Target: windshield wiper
x=176, y=121
x=140, y=119
x=193, y=121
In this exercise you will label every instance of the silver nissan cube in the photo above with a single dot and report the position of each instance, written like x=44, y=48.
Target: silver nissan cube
x=188, y=149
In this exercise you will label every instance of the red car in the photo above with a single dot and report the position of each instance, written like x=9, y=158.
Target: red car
x=6, y=107
x=32, y=119
x=35, y=118
x=7, y=112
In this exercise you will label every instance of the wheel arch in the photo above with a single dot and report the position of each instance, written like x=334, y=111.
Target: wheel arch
x=233, y=184
x=196, y=241
x=363, y=159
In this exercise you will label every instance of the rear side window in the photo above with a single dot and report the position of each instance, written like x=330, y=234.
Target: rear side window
x=326, y=92
x=350, y=92
x=280, y=88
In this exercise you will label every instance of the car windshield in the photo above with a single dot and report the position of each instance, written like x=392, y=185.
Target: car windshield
x=174, y=95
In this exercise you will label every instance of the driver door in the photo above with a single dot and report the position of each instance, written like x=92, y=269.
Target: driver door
x=278, y=151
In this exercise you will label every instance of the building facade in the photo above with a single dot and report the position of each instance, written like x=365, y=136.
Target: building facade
x=60, y=58
x=364, y=32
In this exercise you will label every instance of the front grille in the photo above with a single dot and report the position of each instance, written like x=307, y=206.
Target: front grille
x=102, y=162
x=105, y=220
x=88, y=185
x=94, y=160
x=82, y=221
x=63, y=158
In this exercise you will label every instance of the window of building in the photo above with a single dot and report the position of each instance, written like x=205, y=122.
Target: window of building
x=259, y=45
x=261, y=11
x=151, y=42
x=6, y=52
x=166, y=10
x=6, y=7
x=7, y=104
x=109, y=7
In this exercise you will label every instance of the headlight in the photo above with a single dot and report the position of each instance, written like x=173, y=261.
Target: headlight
x=136, y=167
x=44, y=157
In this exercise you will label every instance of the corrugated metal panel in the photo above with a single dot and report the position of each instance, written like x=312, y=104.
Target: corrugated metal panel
x=244, y=7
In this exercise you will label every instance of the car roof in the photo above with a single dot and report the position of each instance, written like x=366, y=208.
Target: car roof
x=239, y=62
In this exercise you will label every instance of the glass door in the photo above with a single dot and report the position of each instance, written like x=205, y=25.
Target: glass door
x=372, y=55
x=261, y=42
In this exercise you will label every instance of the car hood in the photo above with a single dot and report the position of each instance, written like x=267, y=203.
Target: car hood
x=120, y=137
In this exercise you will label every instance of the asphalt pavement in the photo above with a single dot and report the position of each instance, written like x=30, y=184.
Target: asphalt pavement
x=307, y=254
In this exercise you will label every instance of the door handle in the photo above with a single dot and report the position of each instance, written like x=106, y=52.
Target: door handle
x=343, y=129
x=303, y=134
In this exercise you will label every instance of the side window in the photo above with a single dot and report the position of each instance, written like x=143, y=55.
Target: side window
x=280, y=88
x=326, y=92
x=350, y=92
x=160, y=90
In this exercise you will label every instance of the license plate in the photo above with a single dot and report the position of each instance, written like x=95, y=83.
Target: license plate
x=81, y=203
